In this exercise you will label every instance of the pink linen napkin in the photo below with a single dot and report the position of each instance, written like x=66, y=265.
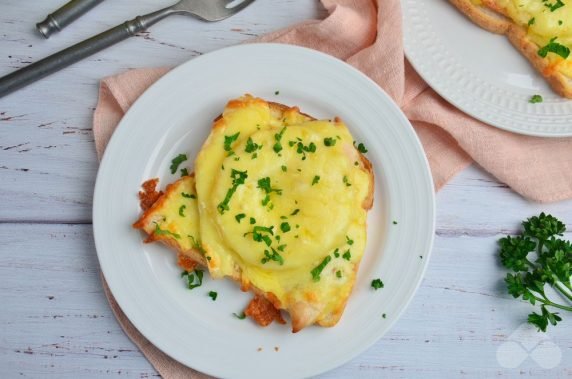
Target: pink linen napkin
x=367, y=34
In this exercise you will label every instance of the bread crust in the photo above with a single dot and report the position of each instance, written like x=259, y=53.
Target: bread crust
x=491, y=17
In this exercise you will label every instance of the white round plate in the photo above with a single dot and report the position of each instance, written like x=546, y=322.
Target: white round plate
x=175, y=116
x=479, y=72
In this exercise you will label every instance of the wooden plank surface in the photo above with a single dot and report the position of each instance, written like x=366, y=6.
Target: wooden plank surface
x=55, y=321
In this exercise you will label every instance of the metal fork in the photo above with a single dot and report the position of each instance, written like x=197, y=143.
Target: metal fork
x=207, y=10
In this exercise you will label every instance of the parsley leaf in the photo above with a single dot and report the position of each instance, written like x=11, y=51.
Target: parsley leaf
x=191, y=276
x=188, y=195
x=213, y=295
x=228, y=140
x=295, y=212
x=285, y=227
x=278, y=137
x=315, y=180
x=318, y=269
x=160, y=232
x=251, y=147
x=238, y=178
x=531, y=21
x=330, y=141
x=377, y=284
x=360, y=147
x=349, y=241
x=274, y=256
x=536, y=258
x=347, y=255
x=176, y=162
x=184, y=172
x=554, y=6
x=240, y=316
x=239, y=217
x=182, y=210
x=554, y=47
x=536, y=99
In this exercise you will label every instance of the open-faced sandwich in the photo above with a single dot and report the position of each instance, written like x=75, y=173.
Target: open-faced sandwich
x=540, y=29
x=278, y=203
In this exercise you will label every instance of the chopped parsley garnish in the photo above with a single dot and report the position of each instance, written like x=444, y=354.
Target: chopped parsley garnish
x=188, y=195
x=554, y=6
x=197, y=245
x=349, y=241
x=184, y=172
x=295, y=212
x=251, y=146
x=303, y=149
x=213, y=295
x=252, y=221
x=315, y=180
x=238, y=178
x=278, y=137
x=330, y=141
x=176, y=162
x=259, y=237
x=264, y=184
x=275, y=256
x=347, y=255
x=376, y=284
x=228, y=140
x=182, y=210
x=284, y=168
x=160, y=232
x=239, y=217
x=360, y=147
x=281, y=247
x=560, y=22
x=339, y=274
x=336, y=254
x=285, y=227
x=191, y=276
x=554, y=47
x=536, y=99
x=384, y=315
x=319, y=268
x=240, y=316
x=346, y=181
x=277, y=93
x=531, y=21
x=394, y=222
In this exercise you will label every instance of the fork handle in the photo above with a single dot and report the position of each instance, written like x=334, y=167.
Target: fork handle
x=75, y=53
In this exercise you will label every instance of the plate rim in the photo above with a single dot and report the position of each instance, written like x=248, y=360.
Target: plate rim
x=149, y=93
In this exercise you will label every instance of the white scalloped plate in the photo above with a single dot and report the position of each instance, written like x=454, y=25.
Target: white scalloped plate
x=479, y=72
x=175, y=115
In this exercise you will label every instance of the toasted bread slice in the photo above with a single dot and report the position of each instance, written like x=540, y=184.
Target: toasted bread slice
x=495, y=17
x=173, y=219
x=312, y=279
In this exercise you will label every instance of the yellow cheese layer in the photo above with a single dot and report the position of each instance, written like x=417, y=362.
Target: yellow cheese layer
x=543, y=25
x=296, y=206
x=177, y=216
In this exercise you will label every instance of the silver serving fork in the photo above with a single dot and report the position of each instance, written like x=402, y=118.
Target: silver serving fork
x=207, y=10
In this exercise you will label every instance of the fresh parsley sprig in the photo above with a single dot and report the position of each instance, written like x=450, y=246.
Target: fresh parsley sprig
x=552, y=266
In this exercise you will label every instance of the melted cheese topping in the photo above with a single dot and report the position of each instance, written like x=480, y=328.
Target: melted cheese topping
x=547, y=24
x=177, y=216
x=314, y=209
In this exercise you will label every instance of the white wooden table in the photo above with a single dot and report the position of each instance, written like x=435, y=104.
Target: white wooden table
x=55, y=320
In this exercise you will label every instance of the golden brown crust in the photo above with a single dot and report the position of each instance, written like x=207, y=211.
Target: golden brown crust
x=483, y=16
x=491, y=17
